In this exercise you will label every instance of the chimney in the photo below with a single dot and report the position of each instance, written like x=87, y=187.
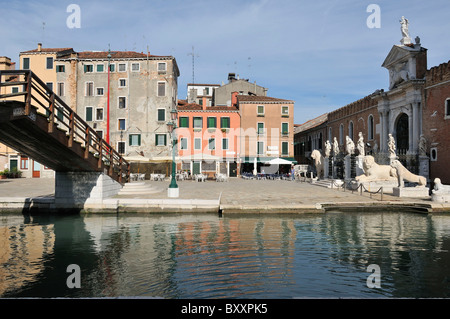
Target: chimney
x=234, y=98
x=204, y=103
x=39, y=47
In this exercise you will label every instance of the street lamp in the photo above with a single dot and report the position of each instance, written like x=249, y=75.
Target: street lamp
x=173, y=190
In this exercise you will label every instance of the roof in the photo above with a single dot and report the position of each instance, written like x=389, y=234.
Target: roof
x=311, y=123
x=116, y=55
x=184, y=106
x=196, y=84
x=47, y=50
x=261, y=99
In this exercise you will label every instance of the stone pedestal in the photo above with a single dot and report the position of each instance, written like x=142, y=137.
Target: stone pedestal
x=418, y=192
x=440, y=197
x=173, y=192
x=359, y=168
x=347, y=167
x=326, y=167
x=374, y=186
x=424, y=167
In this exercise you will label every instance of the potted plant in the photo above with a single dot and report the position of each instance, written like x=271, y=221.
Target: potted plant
x=2, y=175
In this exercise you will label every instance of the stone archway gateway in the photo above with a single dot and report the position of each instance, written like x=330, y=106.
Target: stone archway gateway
x=402, y=133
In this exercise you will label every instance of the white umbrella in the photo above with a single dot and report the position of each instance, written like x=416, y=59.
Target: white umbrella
x=278, y=161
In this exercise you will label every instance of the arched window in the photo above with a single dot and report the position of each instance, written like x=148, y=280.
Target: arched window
x=350, y=130
x=330, y=136
x=370, y=128
x=341, y=134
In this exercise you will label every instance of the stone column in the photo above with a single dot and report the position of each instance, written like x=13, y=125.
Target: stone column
x=416, y=126
x=411, y=148
x=326, y=167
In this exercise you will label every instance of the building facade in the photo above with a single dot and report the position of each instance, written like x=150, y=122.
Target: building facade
x=129, y=105
x=222, y=95
x=267, y=129
x=208, y=139
x=199, y=93
x=313, y=139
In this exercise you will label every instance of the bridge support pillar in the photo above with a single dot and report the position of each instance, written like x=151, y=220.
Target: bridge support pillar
x=75, y=189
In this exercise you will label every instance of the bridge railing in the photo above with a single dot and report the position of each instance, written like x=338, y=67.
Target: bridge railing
x=60, y=116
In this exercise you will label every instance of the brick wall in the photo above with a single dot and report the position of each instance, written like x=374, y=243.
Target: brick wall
x=436, y=125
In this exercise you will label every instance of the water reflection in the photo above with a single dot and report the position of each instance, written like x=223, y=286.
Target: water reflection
x=204, y=256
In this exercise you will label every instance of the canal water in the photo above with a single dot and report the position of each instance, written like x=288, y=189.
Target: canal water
x=348, y=255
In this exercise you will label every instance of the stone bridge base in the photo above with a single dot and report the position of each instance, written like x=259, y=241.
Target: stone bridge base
x=75, y=189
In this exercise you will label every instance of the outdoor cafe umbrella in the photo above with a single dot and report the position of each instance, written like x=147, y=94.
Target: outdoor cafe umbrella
x=278, y=161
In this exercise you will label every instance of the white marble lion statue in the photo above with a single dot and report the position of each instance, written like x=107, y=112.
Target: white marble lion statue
x=404, y=175
x=318, y=162
x=374, y=171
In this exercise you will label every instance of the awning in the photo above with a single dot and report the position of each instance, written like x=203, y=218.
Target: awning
x=264, y=159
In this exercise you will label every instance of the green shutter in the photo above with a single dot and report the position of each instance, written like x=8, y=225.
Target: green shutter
x=89, y=114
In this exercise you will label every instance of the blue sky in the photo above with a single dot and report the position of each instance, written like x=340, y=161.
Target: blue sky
x=321, y=54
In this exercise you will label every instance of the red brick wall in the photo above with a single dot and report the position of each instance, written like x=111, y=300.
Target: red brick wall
x=357, y=112
x=436, y=127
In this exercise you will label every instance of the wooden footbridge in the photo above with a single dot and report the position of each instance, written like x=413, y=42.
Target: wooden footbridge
x=37, y=122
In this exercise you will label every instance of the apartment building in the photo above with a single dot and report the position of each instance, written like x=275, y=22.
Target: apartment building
x=208, y=138
x=125, y=96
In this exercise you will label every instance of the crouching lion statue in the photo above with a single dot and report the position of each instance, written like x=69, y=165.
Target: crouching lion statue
x=404, y=175
x=374, y=171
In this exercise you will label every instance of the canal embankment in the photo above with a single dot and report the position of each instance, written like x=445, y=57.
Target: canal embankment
x=237, y=196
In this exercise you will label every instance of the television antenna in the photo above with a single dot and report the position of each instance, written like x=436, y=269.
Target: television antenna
x=193, y=63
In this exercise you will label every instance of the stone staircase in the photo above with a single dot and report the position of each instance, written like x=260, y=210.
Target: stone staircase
x=137, y=188
x=327, y=183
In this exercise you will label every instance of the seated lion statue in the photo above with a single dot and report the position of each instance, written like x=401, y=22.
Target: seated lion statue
x=404, y=175
x=374, y=171
x=318, y=162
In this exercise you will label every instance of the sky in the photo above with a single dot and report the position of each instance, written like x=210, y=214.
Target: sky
x=322, y=54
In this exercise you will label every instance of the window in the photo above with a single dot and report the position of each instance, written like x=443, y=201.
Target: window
x=100, y=91
x=284, y=148
x=88, y=113
x=341, y=134
x=122, y=102
x=49, y=85
x=26, y=63
x=60, y=113
x=212, y=144
x=89, y=89
x=60, y=88
x=100, y=67
x=260, y=129
x=121, y=147
x=212, y=122
x=60, y=68
x=23, y=162
x=122, y=67
x=161, y=88
x=183, y=143
x=49, y=63
x=330, y=135
x=15, y=89
x=135, y=139
x=88, y=68
x=99, y=133
x=162, y=67
x=121, y=124
x=284, y=128
x=198, y=123
x=206, y=91
x=161, y=115
x=370, y=127
x=161, y=140
x=112, y=67
x=260, y=110
x=350, y=130
x=225, y=122
x=183, y=122
x=135, y=67
x=285, y=110
x=224, y=143
x=197, y=143
x=122, y=83
x=99, y=114
x=447, y=107
x=260, y=148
